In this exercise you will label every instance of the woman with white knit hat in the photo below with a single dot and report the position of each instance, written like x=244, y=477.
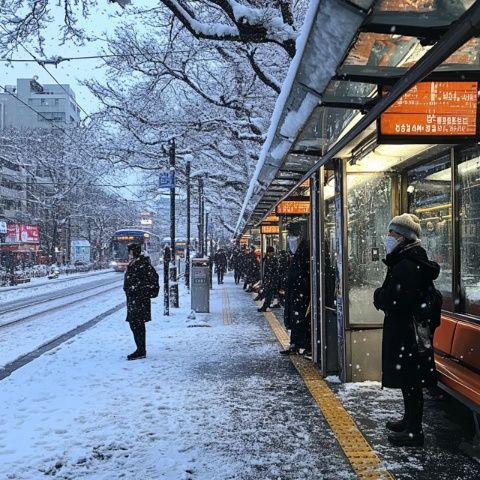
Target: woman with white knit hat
x=409, y=274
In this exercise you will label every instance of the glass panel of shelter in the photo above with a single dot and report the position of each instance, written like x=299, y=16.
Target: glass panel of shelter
x=469, y=229
x=428, y=192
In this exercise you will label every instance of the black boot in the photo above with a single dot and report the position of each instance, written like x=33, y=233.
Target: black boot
x=398, y=426
x=406, y=439
x=136, y=355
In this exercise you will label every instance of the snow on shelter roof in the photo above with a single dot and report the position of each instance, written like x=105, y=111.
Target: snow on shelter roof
x=329, y=28
x=343, y=54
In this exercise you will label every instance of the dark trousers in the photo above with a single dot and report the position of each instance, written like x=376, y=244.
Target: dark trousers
x=220, y=274
x=269, y=294
x=139, y=334
x=413, y=402
x=300, y=335
x=237, y=276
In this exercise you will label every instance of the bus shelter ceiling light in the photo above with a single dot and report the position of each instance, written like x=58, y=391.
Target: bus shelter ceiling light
x=385, y=157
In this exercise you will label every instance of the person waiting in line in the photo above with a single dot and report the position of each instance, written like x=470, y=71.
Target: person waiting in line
x=404, y=365
x=239, y=267
x=270, y=279
x=220, y=260
x=140, y=285
x=297, y=292
x=251, y=270
x=283, y=264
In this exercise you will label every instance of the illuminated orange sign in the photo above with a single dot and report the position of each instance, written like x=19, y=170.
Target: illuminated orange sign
x=270, y=229
x=442, y=110
x=293, y=207
x=272, y=218
x=243, y=241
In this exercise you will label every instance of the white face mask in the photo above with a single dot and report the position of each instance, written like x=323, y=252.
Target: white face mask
x=293, y=243
x=391, y=243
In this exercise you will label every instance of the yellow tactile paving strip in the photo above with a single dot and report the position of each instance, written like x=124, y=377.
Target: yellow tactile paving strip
x=227, y=316
x=359, y=453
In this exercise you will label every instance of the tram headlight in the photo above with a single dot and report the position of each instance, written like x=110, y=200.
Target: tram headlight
x=113, y=264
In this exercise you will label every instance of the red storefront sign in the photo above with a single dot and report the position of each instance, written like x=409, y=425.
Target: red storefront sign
x=20, y=233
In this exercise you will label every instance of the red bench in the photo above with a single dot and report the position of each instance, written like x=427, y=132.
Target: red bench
x=457, y=357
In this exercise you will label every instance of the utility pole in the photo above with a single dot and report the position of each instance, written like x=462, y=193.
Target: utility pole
x=200, y=217
x=173, y=268
x=187, y=253
x=206, y=234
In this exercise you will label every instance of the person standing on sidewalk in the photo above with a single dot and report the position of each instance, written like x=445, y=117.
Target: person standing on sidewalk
x=270, y=279
x=220, y=260
x=404, y=365
x=297, y=292
x=140, y=285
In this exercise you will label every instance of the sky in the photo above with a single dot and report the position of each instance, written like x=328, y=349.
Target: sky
x=100, y=24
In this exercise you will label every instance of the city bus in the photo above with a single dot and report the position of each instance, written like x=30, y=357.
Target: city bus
x=121, y=238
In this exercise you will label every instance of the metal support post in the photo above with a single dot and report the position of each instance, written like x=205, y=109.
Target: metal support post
x=187, y=246
x=200, y=217
x=206, y=234
x=166, y=296
x=173, y=267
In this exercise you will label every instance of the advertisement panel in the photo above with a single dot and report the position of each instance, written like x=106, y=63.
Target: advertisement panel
x=20, y=233
x=432, y=112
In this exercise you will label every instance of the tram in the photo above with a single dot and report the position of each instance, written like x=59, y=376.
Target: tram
x=121, y=238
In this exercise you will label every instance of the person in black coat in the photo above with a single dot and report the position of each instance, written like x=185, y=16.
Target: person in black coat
x=251, y=269
x=140, y=283
x=220, y=260
x=270, y=279
x=404, y=365
x=283, y=264
x=297, y=292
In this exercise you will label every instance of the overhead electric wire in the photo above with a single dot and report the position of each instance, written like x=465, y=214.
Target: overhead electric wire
x=57, y=60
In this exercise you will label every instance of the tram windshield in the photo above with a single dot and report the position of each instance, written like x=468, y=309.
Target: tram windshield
x=119, y=250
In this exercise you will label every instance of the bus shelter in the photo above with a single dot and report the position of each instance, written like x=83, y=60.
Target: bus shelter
x=378, y=116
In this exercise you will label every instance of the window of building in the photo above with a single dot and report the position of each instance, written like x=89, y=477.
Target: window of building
x=469, y=229
x=429, y=197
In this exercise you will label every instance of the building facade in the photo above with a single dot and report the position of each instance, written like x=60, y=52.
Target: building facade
x=24, y=107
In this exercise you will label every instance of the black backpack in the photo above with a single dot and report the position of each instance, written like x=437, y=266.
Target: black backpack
x=429, y=310
x=153, y=285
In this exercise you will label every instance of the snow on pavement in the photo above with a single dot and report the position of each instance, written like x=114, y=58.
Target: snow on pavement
x=207, y=403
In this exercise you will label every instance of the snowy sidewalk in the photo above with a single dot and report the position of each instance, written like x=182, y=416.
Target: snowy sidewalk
x=213, y=400
x=217, y=402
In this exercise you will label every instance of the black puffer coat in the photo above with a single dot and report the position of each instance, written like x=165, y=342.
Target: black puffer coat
x=409, y=273
x=297, y=293
x=270, y=275
x=252, y=268
x=137, y=284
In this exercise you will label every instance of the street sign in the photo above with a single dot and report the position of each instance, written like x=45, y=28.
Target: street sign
x=167, y=179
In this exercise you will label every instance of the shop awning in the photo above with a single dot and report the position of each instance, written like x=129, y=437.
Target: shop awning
x=330, y=96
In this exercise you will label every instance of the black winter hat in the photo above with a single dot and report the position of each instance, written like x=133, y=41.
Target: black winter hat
x=135, y=248
x=294, y=228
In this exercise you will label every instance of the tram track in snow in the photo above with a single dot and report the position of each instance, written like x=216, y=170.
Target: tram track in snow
x=43, y=299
